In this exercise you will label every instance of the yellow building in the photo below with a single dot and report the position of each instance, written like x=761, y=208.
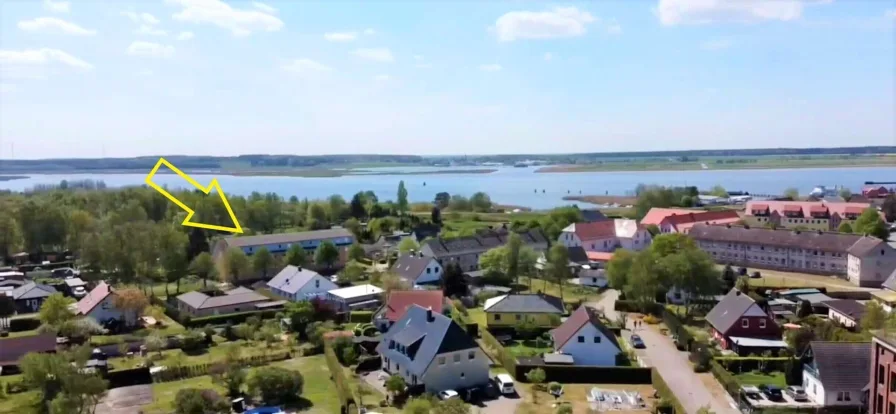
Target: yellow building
x=508, y=311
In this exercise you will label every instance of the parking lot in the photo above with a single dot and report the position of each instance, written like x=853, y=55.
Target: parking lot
x=763, y=402
x=602, y=399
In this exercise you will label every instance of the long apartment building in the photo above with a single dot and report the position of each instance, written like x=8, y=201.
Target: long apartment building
x=813, y=215
x=863, y=260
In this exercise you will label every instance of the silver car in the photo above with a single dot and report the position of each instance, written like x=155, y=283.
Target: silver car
x=796, y=393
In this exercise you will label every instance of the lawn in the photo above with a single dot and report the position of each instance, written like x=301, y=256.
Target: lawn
x=17, y=403
x=571, y=293
x=187, y=284
x=170, y=327
x=758, y=378
x=527, y=348
x=576, y=394
x=477, y=315
x=798, y=280
x=212, y=355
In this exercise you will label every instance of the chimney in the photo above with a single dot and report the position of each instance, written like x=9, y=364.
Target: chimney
x=429, y=317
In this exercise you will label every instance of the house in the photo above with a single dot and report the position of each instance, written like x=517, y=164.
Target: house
x=399, y=301
x=836, y=373
x=387, y=244
x=30, y=296
x=875, y=191
x=13, y=349
x=465, y=251
x=882, y=372
x=99, y=304
x=584, y=337
x=812, y=215
x=12, y=278
x=296, y=283
x=656, y=215
x=279, y=243
x=199, y=304
x=508, y=311
x=846, y=312
x=589, y=272
x=352, y=298
x=682, y=223
x=431, y=351
x=418, y=269
x=738, y=323
x=606, y=236
x=863, y=260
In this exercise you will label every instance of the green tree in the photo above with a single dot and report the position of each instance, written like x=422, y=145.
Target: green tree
x=718, y=191
x=653, y=229
x=356, y=206
x=451, y=406
x=494, y=260
x=326, y=255
x=262, y=262
x=300, y=314
x=275, y=385
x=337, y=208
x=792, y=193
x=407, y=244
x=537, y=378
x=317, y=217
x=353, y=271
x=845, y=227
x=805, y=309
x=61, y=385
x=199, y=401
x=874, y=318
x=356, y=252
x=203, y=266
x=845, y=193
x=155, y=342
x=481, y=202
x=229, y=373
x=296, y=256
x=10, y=236
x=232, y=265
x=442, y=200
x=514, y=244
x=354, y=226
x=871, y=223
x=558, y=265
x=402, y=200
x=395, y=384
x=55, y=310
x=132, y=302
x=7, y=309
x=618, y=268
x=418, y=406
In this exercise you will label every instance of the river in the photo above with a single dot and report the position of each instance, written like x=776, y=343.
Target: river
x=508, y=185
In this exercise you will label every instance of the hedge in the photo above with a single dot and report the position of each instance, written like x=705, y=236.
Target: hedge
x=639, y=307
x=191, y=371
x=232, y=318
x=726, y=379
x=665, y=392
x=343, y=391
x=504, y=358
x=24, y=324
x=747, y=364
x=361, y=317
x=582, y=374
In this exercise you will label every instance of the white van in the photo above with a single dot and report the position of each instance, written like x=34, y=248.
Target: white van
x=505, y=384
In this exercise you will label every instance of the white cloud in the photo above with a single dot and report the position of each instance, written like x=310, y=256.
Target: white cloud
x=491, y=67
x=341, y=36
x=378, y=54
x=421, y=62
x=369, y=32
x=382, y=78
x=41, y=56
x=557, y=23
x=141, y=18
x=185, y=36
x=149, y=49
x=716, y=44
x=54, y=25
x=548, y=56
x=240, y=22
x=148, y=30
x=676, y=12
x=614, y=28
x=305, y=66
x=264, y=7
x=57, y=6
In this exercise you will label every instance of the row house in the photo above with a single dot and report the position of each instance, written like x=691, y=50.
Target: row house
x=876, y=191
x=681, y=221
x=465, y=251
x=813, y=215
x=606, y=236
x=278, y=244
x=863, y=260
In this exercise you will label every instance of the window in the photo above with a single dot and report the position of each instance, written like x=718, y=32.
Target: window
x=846, y=396
x=892, y=408
x=581, y=339
x=762, y=324
x=518, y=316
x=428, y=270
x=471, y=355
x=892, y=382
x=880, y=404
x=840, y=396
x=441, y=360
x=316, y=284
x=497, y=316
x=456, y=357
x=880, y=374
x=413, y=379
x=462, y=375
x=744, y=323
x=597, y=339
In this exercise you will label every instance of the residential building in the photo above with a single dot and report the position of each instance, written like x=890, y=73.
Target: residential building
x=12, y=278
x=882, y=375
x=812, y=215
x=99, y=304
x=876, y=191
x=465, y=251
x=682, y=223
x=847, y=312
x=400, y=301
x=606, y=236
x=886, y=297
x=13, y=349
x=738, y=323
x=386, y=244
x=279, y=243
x=589, y=272
x=297, y=283
x=199, y=304
x=418, y=269
x=508, y=311
x=835, y=374
x=656, y=215
x=30, y=296
x=863, y=260
x=585, y=338
x=359, y=297
x=431, y=351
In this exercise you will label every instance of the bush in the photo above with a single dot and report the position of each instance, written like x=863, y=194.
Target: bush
x=651, y=320
x=361, y=316
x=21, y=325
x=276, y=385
x=346, y=397
x=233, y=318
x=503, y=357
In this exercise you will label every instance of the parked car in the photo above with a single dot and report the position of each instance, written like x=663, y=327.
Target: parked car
x=772, y=392
x=797, y=393
x=505, y=384
x=79, y=292
x=637, y=342
x=448, y=394
x=66, y=272
x=751, y=392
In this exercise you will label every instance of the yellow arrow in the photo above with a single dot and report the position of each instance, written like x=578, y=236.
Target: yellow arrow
x=211, y=186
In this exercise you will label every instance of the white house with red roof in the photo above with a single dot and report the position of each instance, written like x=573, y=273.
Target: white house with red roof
x=99, y=305
x=584, y=337
x=606, y=236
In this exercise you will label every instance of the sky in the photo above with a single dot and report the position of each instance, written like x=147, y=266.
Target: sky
x=129, y=78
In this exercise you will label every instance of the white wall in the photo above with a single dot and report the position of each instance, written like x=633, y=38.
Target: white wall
x=588, y=352
x=813, y=388
x=106, y=311
x=841, y=318
x=456, y=375
x=432, y=273
x=313, y=288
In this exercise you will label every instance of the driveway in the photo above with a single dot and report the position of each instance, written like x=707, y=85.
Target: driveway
x=672, y=364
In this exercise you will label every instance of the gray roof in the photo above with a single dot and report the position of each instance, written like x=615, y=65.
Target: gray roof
x=842, y=365
x=890, y=283
x=726, y=313
x=424, y=339
x=528, y=303
x=32, y=290
x=75, y=282
x=851, y=308
x=811, y=240
x=865, y=246
x=590, y=215
x=577, y=255
x=264, y=239
x=292, y=278
x=410, y=267
x=481, y=242
x=238, y=290
x=199, y=300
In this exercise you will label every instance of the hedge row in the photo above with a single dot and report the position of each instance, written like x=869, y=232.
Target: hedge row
x=651, y=308
x=232, y=318
x=346, y=396
x=24, y=324
x=581, y=374
x=190, y=371
x=504, y=358
x=747, y=364
x=665, y=392
x=361, y=317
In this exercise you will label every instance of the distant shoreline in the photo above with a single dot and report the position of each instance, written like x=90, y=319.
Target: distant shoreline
x=310, y=173
x=712, y=167
x=12, y=177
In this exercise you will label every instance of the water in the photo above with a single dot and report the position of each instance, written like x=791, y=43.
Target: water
x=513, y=186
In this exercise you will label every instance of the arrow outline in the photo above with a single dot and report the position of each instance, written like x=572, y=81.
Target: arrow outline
x=213, y=185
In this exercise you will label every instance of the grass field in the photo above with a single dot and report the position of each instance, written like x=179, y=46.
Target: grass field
x=571, y=293
x=575, y=395
x=757, y=378
x=796, y=280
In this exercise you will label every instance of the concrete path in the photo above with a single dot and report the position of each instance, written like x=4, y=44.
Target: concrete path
x=672, y=364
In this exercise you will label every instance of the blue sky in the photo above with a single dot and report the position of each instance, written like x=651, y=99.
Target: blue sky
x=119, y=78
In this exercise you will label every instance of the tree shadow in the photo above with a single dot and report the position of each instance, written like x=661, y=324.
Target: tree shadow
x=299, y=404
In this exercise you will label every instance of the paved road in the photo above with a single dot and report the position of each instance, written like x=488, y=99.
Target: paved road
x=672, y=364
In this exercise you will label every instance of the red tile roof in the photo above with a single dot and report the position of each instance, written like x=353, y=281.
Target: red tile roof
x=656, y=215
x=854, y=210
x=599, y=256
x=818, y=209
x=400, y=301
x=792, y=208
x=833, y=207
x=759, y=207
x=686, y=221
x=94, y=298
x=596, y=230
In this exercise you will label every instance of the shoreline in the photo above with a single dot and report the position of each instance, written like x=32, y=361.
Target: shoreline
x=12, y=177
x=557, y=169
x=296, y=173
